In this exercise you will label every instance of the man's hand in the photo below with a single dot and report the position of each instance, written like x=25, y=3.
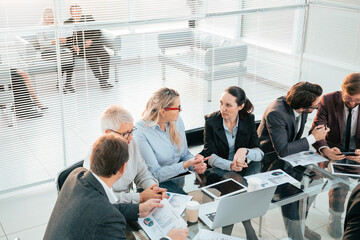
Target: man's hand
x=76, y=49
x=153, y=192
x=355, y=158
x=88, y=43
x=178, y=233
x=319, y=132
x=333, y=153
x=146, y=207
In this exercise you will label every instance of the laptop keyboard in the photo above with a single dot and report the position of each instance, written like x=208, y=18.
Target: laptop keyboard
x=211, y=216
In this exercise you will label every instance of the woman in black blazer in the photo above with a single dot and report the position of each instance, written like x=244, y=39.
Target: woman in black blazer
x=231, y=140
x=230, y=135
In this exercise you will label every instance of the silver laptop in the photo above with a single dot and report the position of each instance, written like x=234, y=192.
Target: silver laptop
x=236, y=208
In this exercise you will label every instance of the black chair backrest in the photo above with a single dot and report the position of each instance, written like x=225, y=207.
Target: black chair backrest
x=65, y=173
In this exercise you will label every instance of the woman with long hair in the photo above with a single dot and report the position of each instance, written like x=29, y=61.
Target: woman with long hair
x=231, y=140
x=161, y=137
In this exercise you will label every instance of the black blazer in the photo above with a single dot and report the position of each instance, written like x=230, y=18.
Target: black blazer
x=83, y=211
x=352, y=219
x=277, y=130
x=215, y=139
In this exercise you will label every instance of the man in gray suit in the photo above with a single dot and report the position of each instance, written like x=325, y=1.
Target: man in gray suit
x=280, y=133
x=85, y=209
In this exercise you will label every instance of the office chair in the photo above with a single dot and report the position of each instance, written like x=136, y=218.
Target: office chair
x=63, y=174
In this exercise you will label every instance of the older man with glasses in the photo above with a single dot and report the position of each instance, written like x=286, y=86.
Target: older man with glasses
x=340, y=112
x=118, y=120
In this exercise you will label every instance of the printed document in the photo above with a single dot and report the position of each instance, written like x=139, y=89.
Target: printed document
x=178, y=201
x=304, y=158
x=204, y=234
x=161, y=220
x=273, y=178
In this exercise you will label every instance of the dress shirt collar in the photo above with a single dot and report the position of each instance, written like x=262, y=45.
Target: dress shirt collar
x=109, y=191
x=354, y=110
x=296, y=114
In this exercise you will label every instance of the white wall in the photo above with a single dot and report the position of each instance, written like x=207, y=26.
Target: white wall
x=332, y=47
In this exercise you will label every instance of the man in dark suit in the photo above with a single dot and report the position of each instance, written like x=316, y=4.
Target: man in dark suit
x=89, y=44
x=352, y=219
x=280, y=133
x=85, y=207
x=334, y=111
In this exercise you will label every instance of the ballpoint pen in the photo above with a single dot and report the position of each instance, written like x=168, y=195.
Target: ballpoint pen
x=326, y=182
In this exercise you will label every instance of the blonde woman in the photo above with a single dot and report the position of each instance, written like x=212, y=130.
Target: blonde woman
x=161, y=137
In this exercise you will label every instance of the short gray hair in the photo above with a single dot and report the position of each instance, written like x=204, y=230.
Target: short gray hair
x=113, y=117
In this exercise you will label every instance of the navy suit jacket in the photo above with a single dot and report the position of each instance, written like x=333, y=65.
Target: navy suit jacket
x=83, y=211
x=215, y=139
x=277, y=130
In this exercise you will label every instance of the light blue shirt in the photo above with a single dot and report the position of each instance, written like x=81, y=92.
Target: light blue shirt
x=231, y=138
x=163, y=159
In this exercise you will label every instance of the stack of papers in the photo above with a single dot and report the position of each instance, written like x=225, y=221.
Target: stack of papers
x=273, y=178
x=304, y=158
x=161, y=220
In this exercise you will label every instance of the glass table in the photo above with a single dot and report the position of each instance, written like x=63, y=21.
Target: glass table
x=322, y=181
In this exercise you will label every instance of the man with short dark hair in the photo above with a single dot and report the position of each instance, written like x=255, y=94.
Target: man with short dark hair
x=280, y=133
x=283, y=122
x=340, y=112
x=84, y=208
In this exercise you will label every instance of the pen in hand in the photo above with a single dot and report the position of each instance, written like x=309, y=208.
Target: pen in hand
x=326, y=182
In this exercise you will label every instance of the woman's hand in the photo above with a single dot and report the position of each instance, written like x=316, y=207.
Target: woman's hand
x=240, y=155
x=197, y=163
x=239, y=160
x=201, y=166
x=237, y=167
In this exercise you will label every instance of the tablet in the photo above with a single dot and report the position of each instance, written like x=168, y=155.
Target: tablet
x=224, y=188
x=284, y=191
x=351, y=170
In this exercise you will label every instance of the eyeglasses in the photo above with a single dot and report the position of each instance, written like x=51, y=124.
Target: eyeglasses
x=178, y=108
x=313, y=107
x=125, y=135
x=349, y=99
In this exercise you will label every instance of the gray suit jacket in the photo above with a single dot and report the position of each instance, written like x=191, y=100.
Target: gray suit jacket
x=277, y=130
x=83, y=211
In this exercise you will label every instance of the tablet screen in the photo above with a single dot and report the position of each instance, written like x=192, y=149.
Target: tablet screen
x=346, y=169
x=285, y=190
x=224, y=188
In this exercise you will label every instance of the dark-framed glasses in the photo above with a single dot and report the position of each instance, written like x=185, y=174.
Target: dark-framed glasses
x=178, y=108
x=316, y=107
x=349, y=99
x=126, y=135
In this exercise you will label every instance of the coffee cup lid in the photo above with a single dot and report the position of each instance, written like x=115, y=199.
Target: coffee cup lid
x=192, y=205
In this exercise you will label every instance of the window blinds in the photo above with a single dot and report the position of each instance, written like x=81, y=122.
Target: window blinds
x=198, y=47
